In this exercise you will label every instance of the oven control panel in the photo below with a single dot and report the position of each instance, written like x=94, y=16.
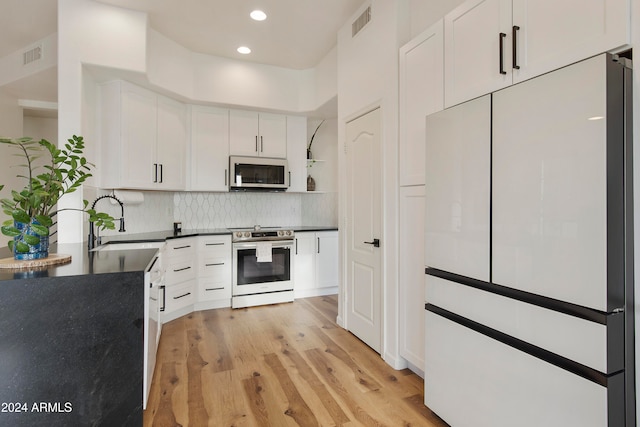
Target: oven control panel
x=258, y=235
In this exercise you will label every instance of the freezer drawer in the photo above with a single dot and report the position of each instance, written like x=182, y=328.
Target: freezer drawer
x=473, y=380
x=598, y=345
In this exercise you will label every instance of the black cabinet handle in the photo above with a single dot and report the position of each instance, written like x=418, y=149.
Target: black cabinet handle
x=256, y=143
x=261, y=144
x=225, y=177
x=155, y=172
x=161, y=173
x=164, y=297
x=182, y=296
x=215, y=263
x=296, y=246
x=214, y=244
x=213, y=289
x=502, y=37
x=181, y=269
x=514, y=51
x=318, y=244
x=182, y=247
x=375, y=243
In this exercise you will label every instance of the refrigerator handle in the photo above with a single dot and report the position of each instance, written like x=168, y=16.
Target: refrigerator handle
x=502, y=37
x=515, y=47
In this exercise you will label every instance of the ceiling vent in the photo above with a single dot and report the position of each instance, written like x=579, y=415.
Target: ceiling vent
x=361, y=21
x=32, y=55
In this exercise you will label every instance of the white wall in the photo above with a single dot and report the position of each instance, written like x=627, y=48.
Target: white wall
x=368, y=77
x=10, y=127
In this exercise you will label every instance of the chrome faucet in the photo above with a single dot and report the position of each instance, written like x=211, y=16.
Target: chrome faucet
x=95, y=238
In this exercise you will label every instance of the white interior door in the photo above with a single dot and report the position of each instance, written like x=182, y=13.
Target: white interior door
x=364, y=217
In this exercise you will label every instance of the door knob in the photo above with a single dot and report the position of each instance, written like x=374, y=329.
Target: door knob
x=375, y=243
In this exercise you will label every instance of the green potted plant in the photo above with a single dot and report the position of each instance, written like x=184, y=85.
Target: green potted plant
x=32, y=209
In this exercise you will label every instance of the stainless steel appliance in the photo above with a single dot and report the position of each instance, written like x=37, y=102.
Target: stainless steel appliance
x=258, y=174
x=262, y=266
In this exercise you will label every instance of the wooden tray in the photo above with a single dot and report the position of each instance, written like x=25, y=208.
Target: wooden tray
x=52, y=259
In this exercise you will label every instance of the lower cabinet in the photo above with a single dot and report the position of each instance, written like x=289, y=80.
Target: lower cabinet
x=315, y=270
x=411, y=275
x=178, y=293
x=214, y=272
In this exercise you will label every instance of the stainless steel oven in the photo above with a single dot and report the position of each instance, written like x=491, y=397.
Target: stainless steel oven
x=262, y=266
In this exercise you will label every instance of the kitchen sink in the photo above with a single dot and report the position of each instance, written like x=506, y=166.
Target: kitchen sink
x=128, y=246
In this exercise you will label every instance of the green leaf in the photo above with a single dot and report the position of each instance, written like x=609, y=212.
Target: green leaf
x=40, y=230
x=21, y=216
x=10, y=231
x=10, y=244
x=21, y=247
x=31, y=240
x=44, y=220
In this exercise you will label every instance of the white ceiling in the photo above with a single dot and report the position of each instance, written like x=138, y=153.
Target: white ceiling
x=297, y=34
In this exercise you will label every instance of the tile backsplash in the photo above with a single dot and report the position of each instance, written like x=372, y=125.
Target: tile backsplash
x=195, y=210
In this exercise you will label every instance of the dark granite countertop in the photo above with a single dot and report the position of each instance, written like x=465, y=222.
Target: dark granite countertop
x=159, y=236
x=83, y=262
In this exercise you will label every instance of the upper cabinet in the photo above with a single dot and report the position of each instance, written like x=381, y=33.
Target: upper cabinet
x=421, y=93
x=296, y=153
x=492, y=44
x=209, y=153
x=257, y=134
x=143, y=139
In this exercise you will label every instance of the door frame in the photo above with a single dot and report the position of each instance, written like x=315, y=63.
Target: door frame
x=343, y=296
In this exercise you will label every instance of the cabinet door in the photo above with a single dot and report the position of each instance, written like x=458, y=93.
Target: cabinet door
x=273, y=135
x=296, y=153
x=421, y=93
x=171, y=144
x=575, y=30
x=304, y=262
x=209, y=152
x=138, y=137
x=472, y=42
x=243, y=133
x=326, y=259
x=457, y=189
x=411, y=269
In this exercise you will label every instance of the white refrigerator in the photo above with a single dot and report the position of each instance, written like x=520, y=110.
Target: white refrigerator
x=529, y=274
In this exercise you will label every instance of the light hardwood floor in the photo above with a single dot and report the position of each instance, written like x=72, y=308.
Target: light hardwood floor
x=278, y=365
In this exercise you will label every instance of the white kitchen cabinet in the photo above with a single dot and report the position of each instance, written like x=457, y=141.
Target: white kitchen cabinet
x=297, y=153
x=458, y=147
x=257, y=134
x=421, y=93
x=179, y=292
x=315, y=263
x=209, y=153
x=411, y=274
x=171, y=144
x=143, y=139
x=481, y=37
x=214, y=272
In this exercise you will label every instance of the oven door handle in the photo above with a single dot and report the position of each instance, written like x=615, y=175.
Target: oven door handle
x=252, y=245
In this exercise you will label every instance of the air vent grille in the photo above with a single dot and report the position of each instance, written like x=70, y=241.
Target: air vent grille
x=361, y=21
x=32, y=55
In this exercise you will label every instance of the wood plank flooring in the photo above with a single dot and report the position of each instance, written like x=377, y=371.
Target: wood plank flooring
x=278, y=365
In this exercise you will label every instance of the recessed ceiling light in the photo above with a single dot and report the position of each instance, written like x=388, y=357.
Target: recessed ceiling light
x=244, y=50
x=258, y=15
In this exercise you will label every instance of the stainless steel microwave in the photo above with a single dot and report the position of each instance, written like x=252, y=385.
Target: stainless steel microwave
x=258, y=173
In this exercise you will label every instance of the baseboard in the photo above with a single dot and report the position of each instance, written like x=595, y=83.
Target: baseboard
x=317, y=292
x=395, y=362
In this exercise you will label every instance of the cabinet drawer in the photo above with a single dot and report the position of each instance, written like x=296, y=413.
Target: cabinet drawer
x=180, y=247
x=212, y=266
x=179, y=296
x=213, y=288
x=181, y=269
x=215, y=245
